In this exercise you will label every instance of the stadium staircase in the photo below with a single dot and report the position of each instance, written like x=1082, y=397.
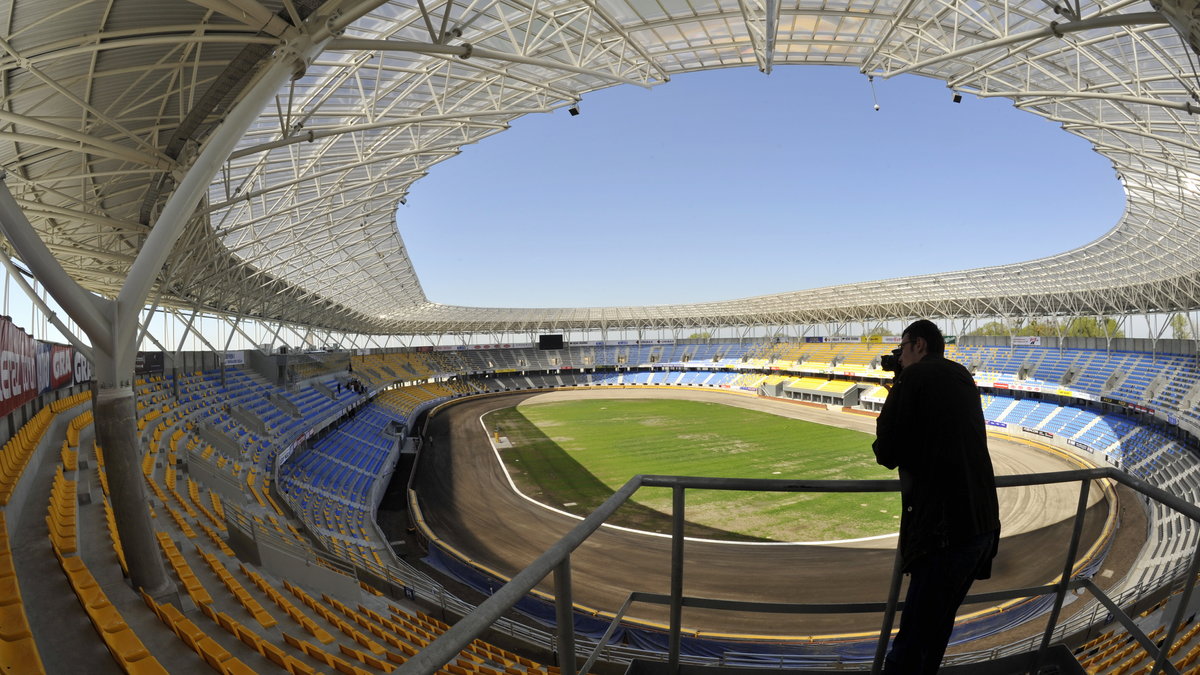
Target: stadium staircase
x=1004, y=413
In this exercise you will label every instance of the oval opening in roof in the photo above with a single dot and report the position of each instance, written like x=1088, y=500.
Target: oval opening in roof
x=728, y=183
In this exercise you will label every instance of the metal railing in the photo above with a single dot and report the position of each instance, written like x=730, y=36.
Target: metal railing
x=556, y=561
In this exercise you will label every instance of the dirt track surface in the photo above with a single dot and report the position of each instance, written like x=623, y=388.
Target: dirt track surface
x=466, y=499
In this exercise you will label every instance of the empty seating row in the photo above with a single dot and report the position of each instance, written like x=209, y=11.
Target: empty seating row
x=17, y=646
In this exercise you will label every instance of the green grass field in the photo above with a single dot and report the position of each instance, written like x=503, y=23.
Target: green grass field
x=574, y=454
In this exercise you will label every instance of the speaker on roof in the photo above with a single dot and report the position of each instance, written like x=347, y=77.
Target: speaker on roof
x=550, y=341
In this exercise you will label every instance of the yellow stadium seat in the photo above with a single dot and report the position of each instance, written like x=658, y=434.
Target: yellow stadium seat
x=22, y=654
x=10, y=590
x=274, y=654
x=212, y=652
x=13, y=625
x=187, y=631
x=297, y=667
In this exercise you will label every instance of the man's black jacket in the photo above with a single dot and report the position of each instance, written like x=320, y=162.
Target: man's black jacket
x=932, y=428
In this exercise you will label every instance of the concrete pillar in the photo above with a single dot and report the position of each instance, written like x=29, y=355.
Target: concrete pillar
x=115, y=413
x=112, y=326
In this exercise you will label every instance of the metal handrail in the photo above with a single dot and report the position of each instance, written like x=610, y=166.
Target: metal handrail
x=556, y=560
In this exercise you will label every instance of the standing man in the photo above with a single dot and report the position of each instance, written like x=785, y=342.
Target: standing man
x=932, y=428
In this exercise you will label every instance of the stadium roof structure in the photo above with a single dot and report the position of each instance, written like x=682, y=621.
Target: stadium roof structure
x=304, y=122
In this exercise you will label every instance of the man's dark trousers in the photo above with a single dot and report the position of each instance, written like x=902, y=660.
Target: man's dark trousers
x=938, y=582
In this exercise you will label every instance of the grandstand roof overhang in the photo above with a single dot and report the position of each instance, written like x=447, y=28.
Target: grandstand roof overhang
x=106, y=106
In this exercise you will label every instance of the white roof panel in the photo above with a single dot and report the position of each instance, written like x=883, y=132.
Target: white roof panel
x=106, y=105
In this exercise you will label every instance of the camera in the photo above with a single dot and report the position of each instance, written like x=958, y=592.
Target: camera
x=891, y=361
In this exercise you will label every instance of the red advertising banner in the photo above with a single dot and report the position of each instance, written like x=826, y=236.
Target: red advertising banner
x=55, y=364
x=18, y=366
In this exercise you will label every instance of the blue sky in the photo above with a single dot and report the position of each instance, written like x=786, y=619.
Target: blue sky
x=731, y=183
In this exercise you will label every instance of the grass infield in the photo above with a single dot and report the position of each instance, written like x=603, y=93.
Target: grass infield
x=573, y=455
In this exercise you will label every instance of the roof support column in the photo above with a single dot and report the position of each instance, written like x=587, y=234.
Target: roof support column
x=112, y=324
x=116, y=419
x=114, y=406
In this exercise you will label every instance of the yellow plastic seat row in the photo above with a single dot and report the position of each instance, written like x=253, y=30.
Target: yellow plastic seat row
x=103, y=480
x=411, y=631
x=389, y=632
x=17, y=646
x=1189, y=635
x=191, y=583
x=265, y=648
x=187, y=508
x=218, y=507
x=313, y=651
x=124, y=645
x=362, y=620
x=1133, y=661
x=235, y=588
x=217, y=540
x=16, y=641
x=15, y=453
x=182, y=524
x=78, y=423
x=194, y=496
x=1188, y=659
x=216, y=656
x=61, y=516
x=500, y=656
x=148, y=465
x=69, y=457
x=115, y=536
x=432, y=624
x=257, y=497
x=274, y=505
x=70, y=401
x=374, y=661
x=310, y=626
x=162, y=497
x=327, y=614
x=837, y=386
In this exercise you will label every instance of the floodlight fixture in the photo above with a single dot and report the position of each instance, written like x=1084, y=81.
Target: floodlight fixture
x=574, y=110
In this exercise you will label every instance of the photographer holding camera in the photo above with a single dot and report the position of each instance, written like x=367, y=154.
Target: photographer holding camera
x=931, y=428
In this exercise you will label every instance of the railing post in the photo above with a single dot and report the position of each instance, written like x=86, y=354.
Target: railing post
x=602, y=643
x=565, y=614
x=889, y=613
x=1065, y=579
x=677, y=507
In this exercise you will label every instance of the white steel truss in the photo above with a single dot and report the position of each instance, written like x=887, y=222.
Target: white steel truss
x=105, y=104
